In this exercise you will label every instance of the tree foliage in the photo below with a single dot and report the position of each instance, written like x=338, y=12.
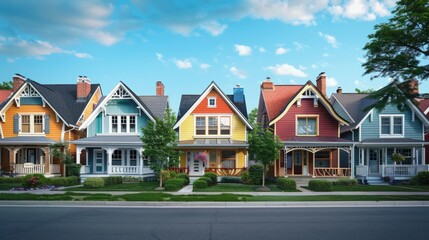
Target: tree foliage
x=360, y=91
x=159, y=140
x=253, y=116
x=6, y=85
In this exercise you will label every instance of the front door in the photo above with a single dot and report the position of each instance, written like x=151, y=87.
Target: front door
x=31, y=156
x=195, y=166
x=297, y=162
x=98, y=161
x=374, y=161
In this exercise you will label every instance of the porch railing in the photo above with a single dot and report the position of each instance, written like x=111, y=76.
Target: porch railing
x=226, y=171
x=403, y=170
x=332, y=172
x=125, y=169
x=55, y=168
x=29, y=168
x=179, y=169
x=362, y=171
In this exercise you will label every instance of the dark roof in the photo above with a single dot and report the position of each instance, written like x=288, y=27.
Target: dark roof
x=102, y=140
x=156, y=104
x=138, y=99
x=240, y=105
x=27, y=140
x=62, y=97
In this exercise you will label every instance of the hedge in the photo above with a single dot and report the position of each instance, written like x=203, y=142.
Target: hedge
x=345, y=182
x=63, y=181
x=212, y=176
x=230, y=180
x=73, y=169
x=245, y=178
x=112, y=180
x=95, y=182
x=184, y=176
x=200, y=184
x=33, y=180
x=320, y=185
x=175, y=184
x=255, y=173
x=10, y=180
x=422, y=178
x=208, y=180
x=286, y=184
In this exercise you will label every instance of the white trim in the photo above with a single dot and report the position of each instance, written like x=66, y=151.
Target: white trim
x=363, y=119
x=94, y=162
x=420, y=114
x=341, y=105
x=208, y=102
x=201, y=98
x=426, y=111
x=31, y=123
x=118, y=123
x=391, y=118
x=207, y=135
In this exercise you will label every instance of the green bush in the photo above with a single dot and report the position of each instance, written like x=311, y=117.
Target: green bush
x=166, y=175
x=422, y=178
x=132, y=179
x=175, y=184
x=33, y=180
x=73, y=169
x=255, y=173
x=212, y=176
x=286, y=184
x=245, y=178
x=200, y=184
x=230, y=180
x=63, y=181
x=184, y=176
x=320, y=185
x=112, y=180
x=10, y=180
x=208, y=180
x=95, y=182
x=345, y=182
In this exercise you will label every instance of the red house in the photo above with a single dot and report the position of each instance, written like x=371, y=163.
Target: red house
x=308, y=125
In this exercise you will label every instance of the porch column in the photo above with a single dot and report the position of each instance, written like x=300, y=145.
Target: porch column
x=414, y=156
x=285, y=160
x=78, y=153
x=352, y=161
x=141, y=150
x=109, y=152
x=423, y=155
x=362, y=157
x=314, y=163
x=12, y=159
x=48, y=161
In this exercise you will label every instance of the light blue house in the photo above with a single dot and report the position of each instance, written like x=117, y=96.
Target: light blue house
x=378, y=134
x=112, y=145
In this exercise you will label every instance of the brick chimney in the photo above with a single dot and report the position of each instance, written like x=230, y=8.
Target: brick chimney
x=267, y=84
x=83, y=88
x=414, y=87
x=18, y=81
x=321, y=83
x=339, y=90
x=159, y=88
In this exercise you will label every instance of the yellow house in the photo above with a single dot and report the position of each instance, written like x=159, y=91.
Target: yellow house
x=212, y=129
x=38, y=115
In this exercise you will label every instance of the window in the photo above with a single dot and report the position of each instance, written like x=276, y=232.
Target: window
x=117, y=158
x=123, y=124
x=32, y=124
x=201, y=126
x=306, y=126
x=132, y=124
x=391, y=125
x=133, y=158
x=225, y=125
x=213, y=126
x=212, y=102
x=114, y=124
x=228, y=159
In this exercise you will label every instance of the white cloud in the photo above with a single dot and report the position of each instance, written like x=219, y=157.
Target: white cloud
x=302, y=67
x=330, y=39
x=262, y=50
x=331, y=82
x=358, y=83
x=367, y=10
x=204, y=66
x=314, y=66
x=238, y=73
x=243, y=50
x=299, y=46
x=184, y=64
x=213, y=27
x=281, y=51
x=286, y=69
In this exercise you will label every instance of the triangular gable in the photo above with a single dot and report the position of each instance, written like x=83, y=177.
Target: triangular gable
x=212, y=86
x=120, y=91
x=310, y=86
x=27, y=89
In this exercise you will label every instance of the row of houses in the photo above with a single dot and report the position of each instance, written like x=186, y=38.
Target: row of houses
x=323, y=137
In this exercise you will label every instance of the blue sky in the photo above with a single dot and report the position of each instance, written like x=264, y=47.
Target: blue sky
x=188, y=44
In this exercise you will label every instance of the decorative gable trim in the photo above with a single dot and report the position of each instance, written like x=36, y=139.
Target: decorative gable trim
x=319, y=95
x=203, y=96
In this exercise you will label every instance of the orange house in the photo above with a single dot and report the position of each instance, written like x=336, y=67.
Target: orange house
x=38, y=115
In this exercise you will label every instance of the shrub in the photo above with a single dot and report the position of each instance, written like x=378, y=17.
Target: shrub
x=286, y=184
x=422, y=178
x=112, y=180
x=208, y=180
x=255, y=173
x=175, y=184
x=63, y=181
x=132, y=179
x=10, y=180
x=95, y=182
x=33, y=180
x=345, y=182
x=212, y=176
x=245, y=178
x=166, y=175
x=320, y=185
x=200, y=184
x=73, y=169
x=184, y=176
x=230, y=180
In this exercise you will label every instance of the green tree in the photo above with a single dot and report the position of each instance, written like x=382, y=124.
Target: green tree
x=264, y=147
x=159, y=140
x=399, y=48
x=369, y=90
x=70, y=167
x=6, y=85
x=253, y=116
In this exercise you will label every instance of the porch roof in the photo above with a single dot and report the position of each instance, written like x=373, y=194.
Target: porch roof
x=26, y=140
x=317, y=141
x=212, y=143
x=109, y=140
x=392, y=142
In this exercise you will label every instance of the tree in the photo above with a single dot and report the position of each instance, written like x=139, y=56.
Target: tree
x=253, y=116
x=369, y=90
x=6, y=85
x=264, y=147
x=400, y=48
x=70, y=167
x=159, y=140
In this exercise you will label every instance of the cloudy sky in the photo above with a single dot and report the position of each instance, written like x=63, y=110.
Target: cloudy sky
x=188, y=44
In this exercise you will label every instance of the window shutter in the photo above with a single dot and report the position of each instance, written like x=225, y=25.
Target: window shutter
x=16, y=124
x=47, y=124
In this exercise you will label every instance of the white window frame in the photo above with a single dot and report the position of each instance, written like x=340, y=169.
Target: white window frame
x=391, y=118
x=118, y=124
x=31, y=124
x=208, y=102
x=218, y=135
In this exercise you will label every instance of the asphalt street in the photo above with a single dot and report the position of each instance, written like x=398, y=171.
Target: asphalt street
x=27, y=222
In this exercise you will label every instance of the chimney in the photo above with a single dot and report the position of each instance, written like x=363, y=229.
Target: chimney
x=413, y=87
x=159, y=88
x=238, y=94
x=339, y=90
x=18, y=81
x=321, y=83
x=83, y=88
x=267, y=84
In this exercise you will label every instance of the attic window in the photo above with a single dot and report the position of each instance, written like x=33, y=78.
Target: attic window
x=212, y=102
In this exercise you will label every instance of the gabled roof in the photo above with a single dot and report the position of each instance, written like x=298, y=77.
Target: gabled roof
x=279, y=99
x=62, y=98
x=189, y=102
x=156, y=104
x=4, y=94
x=424, y=105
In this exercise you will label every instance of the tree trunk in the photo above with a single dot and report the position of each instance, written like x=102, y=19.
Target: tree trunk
x=263, y=178
x=160, y=178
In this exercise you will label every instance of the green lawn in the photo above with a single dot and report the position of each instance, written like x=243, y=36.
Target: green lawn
x=137, y=187
x=380, y=188
x=237, y=187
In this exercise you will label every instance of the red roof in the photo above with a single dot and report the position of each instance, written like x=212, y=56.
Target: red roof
x=276, y=99
x=4, y=94
x=424, y=104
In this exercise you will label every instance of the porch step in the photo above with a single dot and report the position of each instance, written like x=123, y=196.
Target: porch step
x=375, y=180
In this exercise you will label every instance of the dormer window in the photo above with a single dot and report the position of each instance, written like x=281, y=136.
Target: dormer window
x=212, y=102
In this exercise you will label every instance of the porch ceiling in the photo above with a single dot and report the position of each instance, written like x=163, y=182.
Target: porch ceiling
x=212, y=143
x=109, y=140
x=27, y=140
